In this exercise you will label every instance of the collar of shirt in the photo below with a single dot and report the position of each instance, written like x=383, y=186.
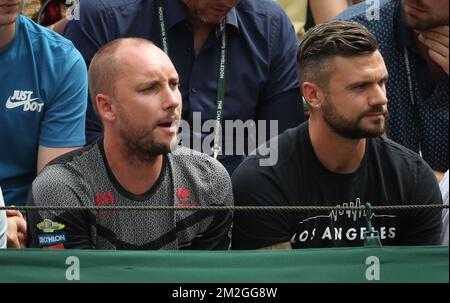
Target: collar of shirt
x=176, y=12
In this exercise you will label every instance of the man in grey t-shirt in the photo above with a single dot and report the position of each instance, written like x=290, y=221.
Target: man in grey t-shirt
x=134, y=89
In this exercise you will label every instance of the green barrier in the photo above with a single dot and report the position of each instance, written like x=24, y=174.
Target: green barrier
x=362, y=264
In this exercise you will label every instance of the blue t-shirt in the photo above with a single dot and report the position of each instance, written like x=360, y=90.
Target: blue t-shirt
x=261, y=81
x=422, y=125
x=43, y=95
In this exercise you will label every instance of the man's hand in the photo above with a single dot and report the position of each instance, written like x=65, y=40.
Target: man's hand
x=436, y=39
x=17, y=229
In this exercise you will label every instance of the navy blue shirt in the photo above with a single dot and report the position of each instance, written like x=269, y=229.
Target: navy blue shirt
x=422, y=125
x=261, y=82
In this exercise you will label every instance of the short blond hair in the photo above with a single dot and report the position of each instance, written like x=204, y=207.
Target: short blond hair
x=105, y=67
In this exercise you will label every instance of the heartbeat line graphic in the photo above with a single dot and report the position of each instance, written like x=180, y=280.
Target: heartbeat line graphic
x=351, y=214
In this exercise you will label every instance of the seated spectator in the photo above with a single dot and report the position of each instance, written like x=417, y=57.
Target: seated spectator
x=43, y=99
x=444, y=189
x=337, y=158
x=413, y=37
x=260, y=81
x=3, y=223
x=305, y=13
x=134, y=87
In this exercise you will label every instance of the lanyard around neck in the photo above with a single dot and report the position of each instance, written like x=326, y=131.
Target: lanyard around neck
x=412, y=95
x=162, y=26
x=221, y=74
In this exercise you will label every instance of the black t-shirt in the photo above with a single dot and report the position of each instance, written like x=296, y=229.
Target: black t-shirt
x=388, y=175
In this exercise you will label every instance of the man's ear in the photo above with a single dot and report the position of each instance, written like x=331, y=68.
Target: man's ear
x=313, y=95
x=105, y=108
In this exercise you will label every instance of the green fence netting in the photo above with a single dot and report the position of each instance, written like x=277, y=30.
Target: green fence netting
x=361, y=264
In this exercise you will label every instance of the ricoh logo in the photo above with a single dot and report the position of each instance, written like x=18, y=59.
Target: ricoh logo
x=22, y=99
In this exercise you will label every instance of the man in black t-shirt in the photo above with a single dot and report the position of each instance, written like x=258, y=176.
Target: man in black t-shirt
x=337, y=158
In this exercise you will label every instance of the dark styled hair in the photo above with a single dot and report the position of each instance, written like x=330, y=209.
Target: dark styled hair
x=327, y=40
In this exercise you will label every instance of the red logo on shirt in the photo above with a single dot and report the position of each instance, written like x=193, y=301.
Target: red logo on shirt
x=104, y=199
x=183, y=195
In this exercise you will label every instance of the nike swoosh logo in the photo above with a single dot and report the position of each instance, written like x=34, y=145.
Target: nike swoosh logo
x=11, y=105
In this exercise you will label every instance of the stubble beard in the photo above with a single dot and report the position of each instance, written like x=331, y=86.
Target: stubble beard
x=352, y=129
x=140, y=145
